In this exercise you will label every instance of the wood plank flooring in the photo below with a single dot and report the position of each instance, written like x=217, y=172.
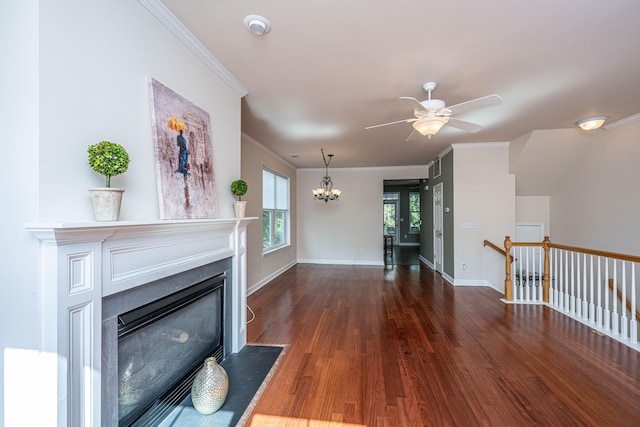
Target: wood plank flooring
x=398, y=346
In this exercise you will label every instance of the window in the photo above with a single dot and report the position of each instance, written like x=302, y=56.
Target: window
x=414, y=212
x=275, y=210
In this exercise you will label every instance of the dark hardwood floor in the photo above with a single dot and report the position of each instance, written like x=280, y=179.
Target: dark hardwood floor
x=374, y=346
x=402, y=255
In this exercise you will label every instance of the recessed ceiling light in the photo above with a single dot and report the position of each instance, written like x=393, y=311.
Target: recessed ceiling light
x=257, y=24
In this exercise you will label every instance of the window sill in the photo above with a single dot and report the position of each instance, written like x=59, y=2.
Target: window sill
x=276, y=249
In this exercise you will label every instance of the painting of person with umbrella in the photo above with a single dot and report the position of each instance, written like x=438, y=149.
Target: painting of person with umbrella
x=183, y=152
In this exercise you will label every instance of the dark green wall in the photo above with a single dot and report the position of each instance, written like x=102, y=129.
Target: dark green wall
x=446, y=178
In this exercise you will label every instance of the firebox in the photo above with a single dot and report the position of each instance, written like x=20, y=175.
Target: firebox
x=161, y=346
x=161, y=334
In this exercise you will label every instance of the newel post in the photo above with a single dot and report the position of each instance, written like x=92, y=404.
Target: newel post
x=508, y=284
x=546, y=244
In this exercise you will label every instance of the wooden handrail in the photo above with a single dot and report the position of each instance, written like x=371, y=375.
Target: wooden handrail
x=496, y=248
x=605, y=254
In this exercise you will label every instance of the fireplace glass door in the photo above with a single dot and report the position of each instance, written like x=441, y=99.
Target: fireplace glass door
x=161, y=345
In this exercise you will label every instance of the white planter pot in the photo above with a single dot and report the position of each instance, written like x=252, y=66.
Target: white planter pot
x=106, y=203
x=240, y=207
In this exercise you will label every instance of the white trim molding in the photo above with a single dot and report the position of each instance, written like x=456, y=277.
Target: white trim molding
x=172, y=23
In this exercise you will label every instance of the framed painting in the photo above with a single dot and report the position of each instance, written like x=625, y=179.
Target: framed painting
x=183, y=155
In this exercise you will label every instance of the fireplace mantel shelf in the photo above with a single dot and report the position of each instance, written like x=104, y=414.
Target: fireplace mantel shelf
x=84, y=262
x=74, y=232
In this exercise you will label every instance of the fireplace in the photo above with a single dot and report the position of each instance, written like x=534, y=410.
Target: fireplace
x=160, y=342
x=100, y=280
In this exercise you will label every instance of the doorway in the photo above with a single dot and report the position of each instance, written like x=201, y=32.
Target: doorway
x=401, y=222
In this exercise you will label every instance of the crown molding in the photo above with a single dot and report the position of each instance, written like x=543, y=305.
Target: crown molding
x=169, y=20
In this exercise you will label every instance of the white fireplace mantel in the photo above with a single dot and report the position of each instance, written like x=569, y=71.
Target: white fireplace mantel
x=83, y=262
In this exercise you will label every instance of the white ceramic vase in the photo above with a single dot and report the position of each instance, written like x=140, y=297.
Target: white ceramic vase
x=240, y=208
x=106, y=203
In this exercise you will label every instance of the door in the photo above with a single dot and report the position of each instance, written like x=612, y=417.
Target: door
x=390, y=220
x=437, y=228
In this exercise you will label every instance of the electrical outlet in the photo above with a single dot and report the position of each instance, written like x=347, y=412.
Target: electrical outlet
x=464, y=266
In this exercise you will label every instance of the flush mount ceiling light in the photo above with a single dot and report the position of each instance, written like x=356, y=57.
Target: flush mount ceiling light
x=258, y=25
x=591, y=123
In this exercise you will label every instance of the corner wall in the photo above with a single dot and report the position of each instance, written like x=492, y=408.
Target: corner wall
x=596, y=205
x=263, y=268
x=485, y=208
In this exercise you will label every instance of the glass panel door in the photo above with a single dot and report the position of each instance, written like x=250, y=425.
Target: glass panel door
x=390, y=219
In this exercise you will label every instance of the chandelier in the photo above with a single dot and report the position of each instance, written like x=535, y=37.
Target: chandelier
x=326, y=191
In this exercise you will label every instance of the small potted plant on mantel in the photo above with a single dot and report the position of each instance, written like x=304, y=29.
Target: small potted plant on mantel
x=108, y=159
x=239, y=189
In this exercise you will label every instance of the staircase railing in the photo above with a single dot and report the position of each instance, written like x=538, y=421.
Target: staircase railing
x=595, y=287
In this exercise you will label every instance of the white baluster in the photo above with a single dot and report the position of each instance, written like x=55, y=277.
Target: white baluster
x=579, y=296
x=572, y=300
x=624, y=326
x=592, y=306
x=615, y=320
x=599, y=290
x=605, y=287
x=585, y=300
x=633, y=324
x=540, y=274
x=554, y=276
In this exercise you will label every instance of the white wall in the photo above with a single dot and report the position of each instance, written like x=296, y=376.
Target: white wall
x=534, y=209
x=348, y=231
x=94, y=85
x=596, y=206
x=75, y=73
x=484, y=196
x=19, y=293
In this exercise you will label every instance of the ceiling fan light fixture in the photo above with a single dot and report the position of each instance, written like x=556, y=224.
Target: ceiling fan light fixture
x=591, y=123
x=258, y=25
x=429, y=126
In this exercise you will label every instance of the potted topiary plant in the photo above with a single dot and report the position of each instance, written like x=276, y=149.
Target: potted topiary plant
x=239, y=188
x=108, y=159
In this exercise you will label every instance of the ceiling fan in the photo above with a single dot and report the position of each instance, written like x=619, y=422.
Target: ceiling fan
x=432, y=114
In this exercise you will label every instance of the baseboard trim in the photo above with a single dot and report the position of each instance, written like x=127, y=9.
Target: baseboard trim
x=341, y=262
x=269, y=278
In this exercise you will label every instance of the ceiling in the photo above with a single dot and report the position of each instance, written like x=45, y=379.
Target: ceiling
x=328, y=69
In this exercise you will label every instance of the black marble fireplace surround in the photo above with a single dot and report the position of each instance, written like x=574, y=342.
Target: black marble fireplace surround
x=115, y=305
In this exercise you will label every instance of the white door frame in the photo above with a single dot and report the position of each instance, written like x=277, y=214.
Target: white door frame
x=438, y=233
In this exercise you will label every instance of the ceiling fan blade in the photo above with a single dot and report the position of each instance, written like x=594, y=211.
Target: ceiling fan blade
x=415, y=104
x=474, y=104
x=392, y=123
x=462, y=125
x=411, y=135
